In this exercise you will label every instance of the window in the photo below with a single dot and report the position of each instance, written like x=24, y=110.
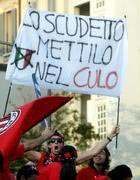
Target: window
x=101, y=108
x=102, y=122
x=101, y=129
x=8, y=29
x=83, y=9
x=100, y=3
x=1, y=33
x=51, y=5
x=102, y=115
x=8, y=21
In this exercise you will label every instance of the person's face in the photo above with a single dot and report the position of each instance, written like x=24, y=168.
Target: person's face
x=99, y=158
x=56, y=144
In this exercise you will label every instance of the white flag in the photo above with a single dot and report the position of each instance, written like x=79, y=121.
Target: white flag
x=72, y=53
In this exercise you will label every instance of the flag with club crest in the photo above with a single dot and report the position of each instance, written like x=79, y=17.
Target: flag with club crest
x=16, y=123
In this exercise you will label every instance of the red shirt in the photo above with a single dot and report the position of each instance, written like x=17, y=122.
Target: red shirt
x=102, y=178
x=45, y=160
x=40, y=163
x=88, y=173
x=50, y=172
x=6, y=175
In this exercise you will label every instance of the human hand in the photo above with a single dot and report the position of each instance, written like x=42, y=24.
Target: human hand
x=48, y=131
x=115, y=131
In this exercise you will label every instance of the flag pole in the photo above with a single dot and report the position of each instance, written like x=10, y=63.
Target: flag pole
x=118, y=110
x=9, y=91
x=38, y=95
x=49, y=117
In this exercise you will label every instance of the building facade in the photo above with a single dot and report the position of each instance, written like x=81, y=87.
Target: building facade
x=101, y=111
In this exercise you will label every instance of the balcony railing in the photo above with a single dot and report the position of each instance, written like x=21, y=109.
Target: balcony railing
x=5, y=51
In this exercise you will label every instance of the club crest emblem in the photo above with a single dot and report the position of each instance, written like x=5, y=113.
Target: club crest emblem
x=8, y=121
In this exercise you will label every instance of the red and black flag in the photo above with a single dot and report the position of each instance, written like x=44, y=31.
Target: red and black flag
x=16, y=123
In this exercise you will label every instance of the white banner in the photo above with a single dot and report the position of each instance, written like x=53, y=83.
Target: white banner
x=72, y=53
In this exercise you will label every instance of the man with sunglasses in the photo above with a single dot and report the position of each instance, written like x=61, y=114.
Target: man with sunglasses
x=55, y=143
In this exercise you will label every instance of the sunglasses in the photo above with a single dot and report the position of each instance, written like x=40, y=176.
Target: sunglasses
x=58, y=140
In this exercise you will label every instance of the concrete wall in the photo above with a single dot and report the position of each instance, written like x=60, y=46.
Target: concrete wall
x=19, y=95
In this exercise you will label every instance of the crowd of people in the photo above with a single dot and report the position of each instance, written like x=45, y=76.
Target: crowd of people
x=60, y=160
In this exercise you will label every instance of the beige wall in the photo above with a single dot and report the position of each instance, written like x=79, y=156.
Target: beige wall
x=130, y=9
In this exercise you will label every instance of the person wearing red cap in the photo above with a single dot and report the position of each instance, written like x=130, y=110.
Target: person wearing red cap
x=55, y=143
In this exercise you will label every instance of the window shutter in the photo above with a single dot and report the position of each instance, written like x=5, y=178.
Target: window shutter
x=14, y=24
x=1, y=33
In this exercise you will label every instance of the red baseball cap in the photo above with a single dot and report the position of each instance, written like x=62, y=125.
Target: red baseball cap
x=57, y=133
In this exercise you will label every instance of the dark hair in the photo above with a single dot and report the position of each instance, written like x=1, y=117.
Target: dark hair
x=26, y=171
x=106, y=164
x=68, y=156
x=68, y=172
x=120, y=172
x=1, y=162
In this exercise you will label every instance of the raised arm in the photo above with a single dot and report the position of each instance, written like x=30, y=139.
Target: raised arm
x=35, y=156
x=84, y=156
x=31, y=144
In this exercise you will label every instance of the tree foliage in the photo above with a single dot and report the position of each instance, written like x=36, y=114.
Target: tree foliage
x=75, y=130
